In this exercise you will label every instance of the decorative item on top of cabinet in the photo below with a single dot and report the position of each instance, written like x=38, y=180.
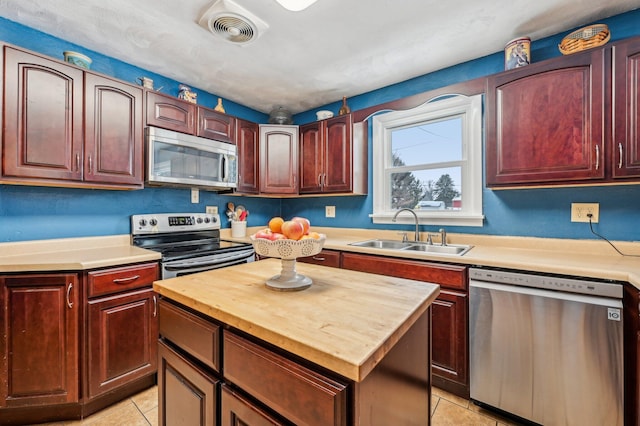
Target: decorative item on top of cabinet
x=219, y=107
x=278, y=159
x=545, y=122
x=88, y=134
x=331, y=161
x=517, y=53
x=585, y=38
x=344, y=109
x=185, y=93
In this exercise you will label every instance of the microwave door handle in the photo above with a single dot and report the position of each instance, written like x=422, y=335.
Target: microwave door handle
x=225, y=161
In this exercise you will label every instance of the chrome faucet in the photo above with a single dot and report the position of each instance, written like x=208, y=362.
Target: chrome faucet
x=443, y=237
x=417, y=236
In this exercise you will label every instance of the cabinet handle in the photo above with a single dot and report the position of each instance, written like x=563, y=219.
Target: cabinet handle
x=69, y=302
x=620, y=151
x=321, y=259
x=597, y=157
x=155, y=306
x=125, y=280
x=320, y=179
x=77, y=162
x=90, y=165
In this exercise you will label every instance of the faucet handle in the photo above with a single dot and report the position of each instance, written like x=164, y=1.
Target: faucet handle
x=404, y=236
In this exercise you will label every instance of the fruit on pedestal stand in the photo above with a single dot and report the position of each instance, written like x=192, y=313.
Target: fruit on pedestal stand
x=275, y=224
x=293, y=230
x=305, y=223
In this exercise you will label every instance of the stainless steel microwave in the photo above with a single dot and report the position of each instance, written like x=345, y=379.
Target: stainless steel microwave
x=178, y=159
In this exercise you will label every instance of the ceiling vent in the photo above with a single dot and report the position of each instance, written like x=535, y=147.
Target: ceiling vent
x=232, y=22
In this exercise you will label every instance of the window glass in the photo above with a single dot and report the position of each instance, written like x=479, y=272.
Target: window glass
x=429, y=159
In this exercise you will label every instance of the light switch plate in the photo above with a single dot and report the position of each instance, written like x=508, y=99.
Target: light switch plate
x=330, y=211
x=211, y=210
x=195, y=195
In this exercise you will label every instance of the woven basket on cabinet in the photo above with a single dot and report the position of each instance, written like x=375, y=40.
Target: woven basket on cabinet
x=585, y=38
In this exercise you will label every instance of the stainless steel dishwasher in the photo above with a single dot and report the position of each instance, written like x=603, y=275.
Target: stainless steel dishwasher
x=547, y=349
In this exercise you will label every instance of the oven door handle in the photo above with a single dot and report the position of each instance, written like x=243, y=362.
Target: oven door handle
x=217, y=261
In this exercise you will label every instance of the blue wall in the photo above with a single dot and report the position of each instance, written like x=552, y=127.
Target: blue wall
x=28, y=213
x=524, y=212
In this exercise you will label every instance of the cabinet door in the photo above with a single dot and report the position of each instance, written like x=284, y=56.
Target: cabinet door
x=449, y=338
x=122, y=333
x=215, y=125
x=239, y=411
x=186, y=394
x=311, y=157
x=248, y=157
x=113, y=132
x=337, y=155
x=545, y=122
x=39, y=339
x=279, y=159
x=171, y=113
x=42, y=118
x=626, y=130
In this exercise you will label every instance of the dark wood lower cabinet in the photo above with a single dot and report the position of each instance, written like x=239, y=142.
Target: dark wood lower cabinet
x=237, y=410
x=187, y=395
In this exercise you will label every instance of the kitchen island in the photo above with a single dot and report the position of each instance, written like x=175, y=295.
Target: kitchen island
x=354, y=348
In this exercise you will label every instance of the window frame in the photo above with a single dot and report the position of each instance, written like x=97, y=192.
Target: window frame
x=469, y=108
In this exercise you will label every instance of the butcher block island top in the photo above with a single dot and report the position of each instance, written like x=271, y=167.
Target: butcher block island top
x=347, y=321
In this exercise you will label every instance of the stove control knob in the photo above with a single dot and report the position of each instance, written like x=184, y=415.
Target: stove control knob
x=214, y=219
x=199, y=220
x=153, y=222
x=206, y=219
x=143, y=222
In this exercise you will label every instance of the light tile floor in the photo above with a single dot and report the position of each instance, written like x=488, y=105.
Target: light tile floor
x=142, y=410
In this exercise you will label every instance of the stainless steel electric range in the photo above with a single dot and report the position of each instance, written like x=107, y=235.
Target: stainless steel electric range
x=188, y=242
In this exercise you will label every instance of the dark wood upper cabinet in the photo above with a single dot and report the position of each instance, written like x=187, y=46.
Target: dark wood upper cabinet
x=247, y=141
x=43, y=101
x=171, y=113
x=215, y=125
x=47, y=106
x=545, y=122
x=626, y=126
x=113, y=131
x=278, y=159
x=326, y=156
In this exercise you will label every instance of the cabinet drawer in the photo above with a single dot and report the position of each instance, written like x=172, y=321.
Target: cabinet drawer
x=451, y=276
x=198, y=337
x=114, y=280
x=325, y=258
x=301, y=395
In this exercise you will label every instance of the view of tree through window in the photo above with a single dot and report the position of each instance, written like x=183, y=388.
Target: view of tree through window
x=424, y=173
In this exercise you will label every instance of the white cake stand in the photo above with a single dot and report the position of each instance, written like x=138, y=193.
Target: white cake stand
x=288, y=251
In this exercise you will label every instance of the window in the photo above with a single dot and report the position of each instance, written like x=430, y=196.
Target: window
x=429, y=159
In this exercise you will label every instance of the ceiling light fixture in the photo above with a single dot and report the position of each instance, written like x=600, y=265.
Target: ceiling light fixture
x=296, y=5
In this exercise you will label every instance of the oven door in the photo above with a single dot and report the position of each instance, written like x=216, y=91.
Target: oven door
x=207, y=262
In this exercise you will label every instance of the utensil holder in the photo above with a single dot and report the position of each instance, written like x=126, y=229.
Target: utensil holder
x=238, y=228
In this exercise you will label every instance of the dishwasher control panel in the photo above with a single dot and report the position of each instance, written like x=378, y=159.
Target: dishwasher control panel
x=547, y=282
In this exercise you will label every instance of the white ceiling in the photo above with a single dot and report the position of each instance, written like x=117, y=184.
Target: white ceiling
x=310, y=58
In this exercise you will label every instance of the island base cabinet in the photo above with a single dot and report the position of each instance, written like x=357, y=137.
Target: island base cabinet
x=297, y=393
x=239, y=411
x=187, y=396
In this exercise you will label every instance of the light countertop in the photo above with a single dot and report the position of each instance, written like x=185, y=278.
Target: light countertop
x=346, y=321
x=583, y=258
x=71, y=254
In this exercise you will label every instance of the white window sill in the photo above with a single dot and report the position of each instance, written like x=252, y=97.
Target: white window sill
x=429, y=219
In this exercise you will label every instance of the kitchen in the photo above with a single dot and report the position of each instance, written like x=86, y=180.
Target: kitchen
x=34, y=213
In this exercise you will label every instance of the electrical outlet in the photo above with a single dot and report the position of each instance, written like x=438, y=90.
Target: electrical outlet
x=579, y=212
x=211, y=210
x=330, y=211
x=195, y=195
